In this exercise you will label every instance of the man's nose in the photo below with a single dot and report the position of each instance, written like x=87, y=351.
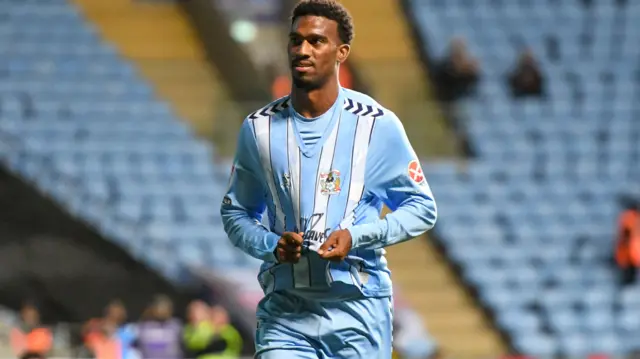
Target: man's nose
x=304, y=50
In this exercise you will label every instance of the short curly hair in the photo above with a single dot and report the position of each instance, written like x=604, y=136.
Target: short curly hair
x=330, y=9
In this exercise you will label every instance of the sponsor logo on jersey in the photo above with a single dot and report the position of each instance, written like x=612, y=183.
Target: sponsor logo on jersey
x=313, y=238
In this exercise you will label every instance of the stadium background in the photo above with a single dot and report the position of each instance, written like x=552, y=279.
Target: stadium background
x=118, y=119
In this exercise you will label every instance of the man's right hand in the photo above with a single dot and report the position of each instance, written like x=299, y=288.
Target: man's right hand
x=289, y=247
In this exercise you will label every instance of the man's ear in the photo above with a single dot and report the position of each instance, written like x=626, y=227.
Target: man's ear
x=343, y=53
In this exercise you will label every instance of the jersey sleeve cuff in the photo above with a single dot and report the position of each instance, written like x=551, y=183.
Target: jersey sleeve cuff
x=272, y=242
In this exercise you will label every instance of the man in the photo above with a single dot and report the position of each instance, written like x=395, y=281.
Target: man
x=110, y=337
x=627, y=252
x=410, y=338
x=208, y=335
x=323, y=161
x=458, y=74
x=526, y=79
x=159, y=335
x=30, y=339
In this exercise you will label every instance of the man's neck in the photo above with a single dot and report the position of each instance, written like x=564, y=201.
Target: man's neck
x=316, y=102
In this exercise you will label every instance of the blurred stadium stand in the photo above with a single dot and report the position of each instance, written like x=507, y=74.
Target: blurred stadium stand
x=386, y=58
x=98, y=126
x=162, y=44
x=49, y=257
x=81, y=125
x=85, y=111
x=530, y=222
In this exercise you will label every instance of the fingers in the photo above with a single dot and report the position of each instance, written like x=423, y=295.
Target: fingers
x=290, y=247
x=291, y=242
x=285, y=256
x=293, y=238
x=337, y=246
x=331, y=248
x=328, y=245
x=287, y=253
x=336, y=254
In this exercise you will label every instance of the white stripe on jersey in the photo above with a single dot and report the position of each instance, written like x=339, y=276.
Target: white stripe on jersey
x=364, y=129
x=262, y=129
x=293, y=153
x=321, y=201
x=302, y=270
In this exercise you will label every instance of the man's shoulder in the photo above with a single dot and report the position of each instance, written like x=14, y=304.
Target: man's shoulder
x=364, y=105
x=386, y=123
x=272, y=109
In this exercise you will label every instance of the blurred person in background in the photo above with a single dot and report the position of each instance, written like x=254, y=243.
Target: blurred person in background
x=280, y=82
x=29, y=339
x=458, y=74
x=345, y=77
x=209, y=334
x=526, y=79
x=410, y=339
x=627, y=252
x=159, y=333
x=109, y=337
x=222, y=325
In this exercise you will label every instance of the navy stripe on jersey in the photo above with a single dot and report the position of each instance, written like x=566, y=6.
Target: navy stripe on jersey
x=271, y=110
x=359, y=109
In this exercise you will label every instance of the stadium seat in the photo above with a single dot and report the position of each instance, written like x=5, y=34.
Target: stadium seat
x=88, y=131
x=535, y=211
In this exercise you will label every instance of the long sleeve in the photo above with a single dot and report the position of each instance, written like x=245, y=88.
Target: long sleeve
x=395, y=177
x=245, y=201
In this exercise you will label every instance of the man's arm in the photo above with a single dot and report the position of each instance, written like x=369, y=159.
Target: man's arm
x=394, y=175
x=244, y=203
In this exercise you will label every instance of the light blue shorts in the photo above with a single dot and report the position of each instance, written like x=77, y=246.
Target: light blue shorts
x=293, y=327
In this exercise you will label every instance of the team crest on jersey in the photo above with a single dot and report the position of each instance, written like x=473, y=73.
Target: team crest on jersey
x=330, y=182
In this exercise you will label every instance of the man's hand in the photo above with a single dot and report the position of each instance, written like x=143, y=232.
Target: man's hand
x=289, y=247
x=337, y=246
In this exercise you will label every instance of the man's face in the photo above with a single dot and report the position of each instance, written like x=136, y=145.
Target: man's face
x=163, y=310
x=219, y=316
x=314, y=51
x=30, y=315
x=116, y=313
x=198, y=312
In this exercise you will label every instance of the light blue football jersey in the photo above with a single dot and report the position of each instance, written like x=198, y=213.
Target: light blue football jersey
x=361, y=160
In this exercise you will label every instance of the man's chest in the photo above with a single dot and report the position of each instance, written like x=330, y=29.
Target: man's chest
x=311, y=190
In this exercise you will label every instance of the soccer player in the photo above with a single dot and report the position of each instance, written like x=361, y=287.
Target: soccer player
x=323, y=161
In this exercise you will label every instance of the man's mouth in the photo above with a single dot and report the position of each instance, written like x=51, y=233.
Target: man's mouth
x=302, y=65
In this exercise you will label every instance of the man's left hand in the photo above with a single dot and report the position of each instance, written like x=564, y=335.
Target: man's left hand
x=337, y=246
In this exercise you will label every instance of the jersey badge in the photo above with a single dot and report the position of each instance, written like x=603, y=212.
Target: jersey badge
x=330, y=183
x=226, y=201
x=415, y=172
